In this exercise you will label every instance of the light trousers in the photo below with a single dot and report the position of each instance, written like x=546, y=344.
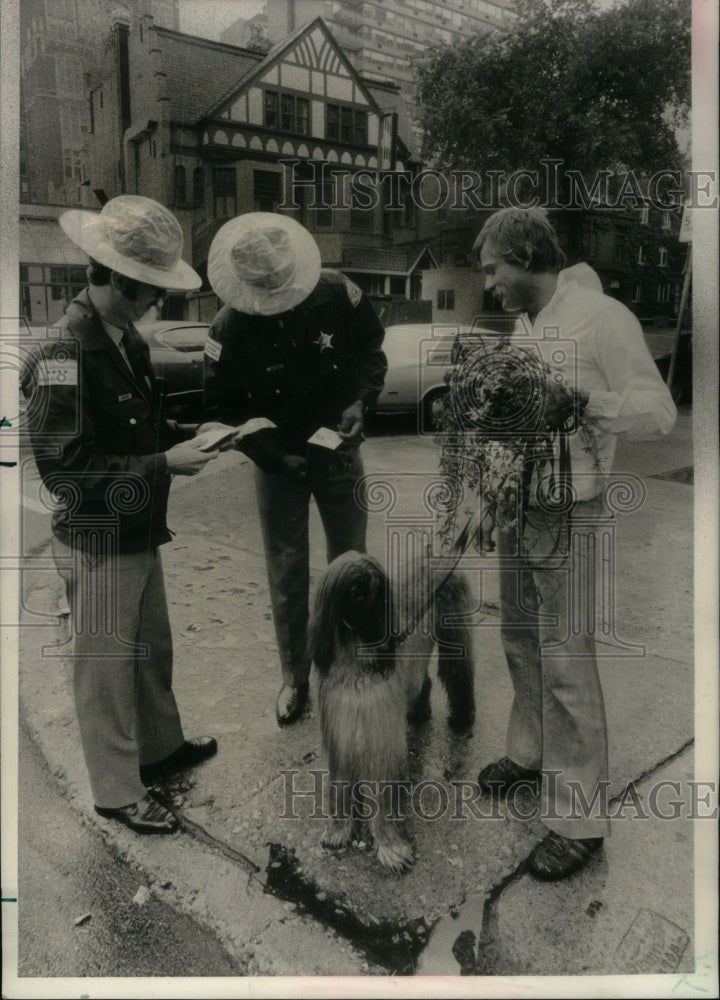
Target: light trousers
x=557, y=721
x=123, y=660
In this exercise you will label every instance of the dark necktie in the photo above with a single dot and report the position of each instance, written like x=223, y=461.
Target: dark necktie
x=133, y=351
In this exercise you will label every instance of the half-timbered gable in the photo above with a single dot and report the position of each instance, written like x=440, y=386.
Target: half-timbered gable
x=304, y=100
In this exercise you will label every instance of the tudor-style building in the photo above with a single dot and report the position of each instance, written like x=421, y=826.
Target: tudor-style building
x=212, y=130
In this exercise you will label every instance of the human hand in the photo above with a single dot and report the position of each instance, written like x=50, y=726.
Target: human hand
x=186, y=458
x=295, y=467
x=214, y=428
x=351, y=424
x=561, y=403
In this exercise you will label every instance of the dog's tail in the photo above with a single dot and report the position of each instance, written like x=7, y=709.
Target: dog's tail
x=453, y=602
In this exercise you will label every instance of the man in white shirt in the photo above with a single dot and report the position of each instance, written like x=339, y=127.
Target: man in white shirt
x=557, y=731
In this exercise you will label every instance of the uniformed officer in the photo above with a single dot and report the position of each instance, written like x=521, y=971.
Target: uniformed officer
x=294, y=355
x=106, y=453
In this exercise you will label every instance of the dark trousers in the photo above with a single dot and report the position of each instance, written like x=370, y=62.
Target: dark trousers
x=284, y=505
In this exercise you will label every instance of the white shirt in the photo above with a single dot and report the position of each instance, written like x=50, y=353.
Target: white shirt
x=597, y=345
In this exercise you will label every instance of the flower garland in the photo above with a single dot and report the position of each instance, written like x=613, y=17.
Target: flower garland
x=492, y=430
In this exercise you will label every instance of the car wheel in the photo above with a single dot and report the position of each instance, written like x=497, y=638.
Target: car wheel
x=426, y=416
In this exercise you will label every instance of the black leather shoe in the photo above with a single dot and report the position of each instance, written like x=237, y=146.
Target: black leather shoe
x=145, y=816
x=290, y=702
x=188, y=754
x=500, y=776
x=557, y=856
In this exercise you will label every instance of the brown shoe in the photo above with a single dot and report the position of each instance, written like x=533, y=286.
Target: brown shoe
x=557, y=856
x=145, y=816
x=500, y=776
x=290, y=703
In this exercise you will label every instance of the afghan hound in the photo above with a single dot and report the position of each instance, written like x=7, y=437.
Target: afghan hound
x=371, y=639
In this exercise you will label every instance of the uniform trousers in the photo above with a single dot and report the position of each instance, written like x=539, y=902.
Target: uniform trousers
x=284, y=505
x=123, y=659
x=557, y=721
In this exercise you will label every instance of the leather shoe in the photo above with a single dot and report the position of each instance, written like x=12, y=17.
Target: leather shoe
x=557, y=857
x=290, y=702
x=188, y=754
x=145, y=816
x=499, y=777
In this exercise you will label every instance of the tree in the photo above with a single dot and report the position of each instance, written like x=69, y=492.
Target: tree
x=595, y=89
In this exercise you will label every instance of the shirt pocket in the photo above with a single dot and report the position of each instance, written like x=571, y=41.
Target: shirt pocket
x=127, y=427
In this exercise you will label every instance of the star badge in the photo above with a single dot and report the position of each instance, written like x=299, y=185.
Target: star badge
x=325, y=341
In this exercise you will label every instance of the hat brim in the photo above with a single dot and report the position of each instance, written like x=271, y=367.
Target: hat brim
x=248, y=298
x=85, y=229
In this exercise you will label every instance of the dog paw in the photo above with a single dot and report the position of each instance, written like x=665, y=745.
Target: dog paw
x=398, y=857
x=336, y=834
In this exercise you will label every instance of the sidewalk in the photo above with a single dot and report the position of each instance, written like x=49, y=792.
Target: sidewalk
x=262, y=882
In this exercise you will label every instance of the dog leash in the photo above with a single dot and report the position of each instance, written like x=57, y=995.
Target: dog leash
x=460, y=546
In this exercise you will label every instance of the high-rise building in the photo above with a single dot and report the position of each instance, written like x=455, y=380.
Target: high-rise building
x=60, y=42
x=385, y=39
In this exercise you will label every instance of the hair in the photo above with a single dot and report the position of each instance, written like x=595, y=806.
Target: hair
x=98, y=274
x=522, y=236
x=353, y=605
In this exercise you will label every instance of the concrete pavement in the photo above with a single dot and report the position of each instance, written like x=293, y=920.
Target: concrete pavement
x=256, y=875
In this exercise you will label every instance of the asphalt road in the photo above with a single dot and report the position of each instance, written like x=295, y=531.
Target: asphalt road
x=66, y=871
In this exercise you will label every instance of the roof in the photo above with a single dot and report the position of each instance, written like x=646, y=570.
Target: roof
x=184, y=58
x=42, y=241
x=275, y=53
x=395, y=260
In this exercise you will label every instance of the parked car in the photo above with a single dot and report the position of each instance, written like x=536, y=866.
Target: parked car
x=418, y=356
x=176, y=353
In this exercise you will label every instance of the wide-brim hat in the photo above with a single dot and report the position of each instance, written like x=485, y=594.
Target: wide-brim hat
x=263, y=263
x=135, y=236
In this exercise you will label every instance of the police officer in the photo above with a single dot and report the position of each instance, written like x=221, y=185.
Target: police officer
x=295, y=351
x=105, y=451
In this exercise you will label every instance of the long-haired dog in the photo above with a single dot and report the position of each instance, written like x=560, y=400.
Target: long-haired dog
x=371, y=639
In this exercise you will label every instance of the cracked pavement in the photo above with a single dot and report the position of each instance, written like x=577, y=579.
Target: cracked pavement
x=259, y=877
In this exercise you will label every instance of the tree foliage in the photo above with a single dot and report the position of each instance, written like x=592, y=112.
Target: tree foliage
x=596, y=89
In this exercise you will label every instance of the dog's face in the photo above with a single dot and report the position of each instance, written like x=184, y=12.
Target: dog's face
x=353, y=606
x=364, y=604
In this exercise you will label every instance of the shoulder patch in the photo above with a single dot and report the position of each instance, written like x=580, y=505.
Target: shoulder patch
x=353, y=292
x=213, y=349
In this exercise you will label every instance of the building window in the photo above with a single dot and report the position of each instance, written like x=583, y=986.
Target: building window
x=179, y=192
x=644, y=215
x=641, y=257
x=397, y=286
x=332, y=122
x=666, y=220
x=302, y=116
x=663, y=294
x=638, y=293
x=346, y=124
x=73, y=164
x=225, y=202
x=287, y=112
x=663, y=257
x=198, y=186
x=272, y=102
x=446, y=299
x=266, y=190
